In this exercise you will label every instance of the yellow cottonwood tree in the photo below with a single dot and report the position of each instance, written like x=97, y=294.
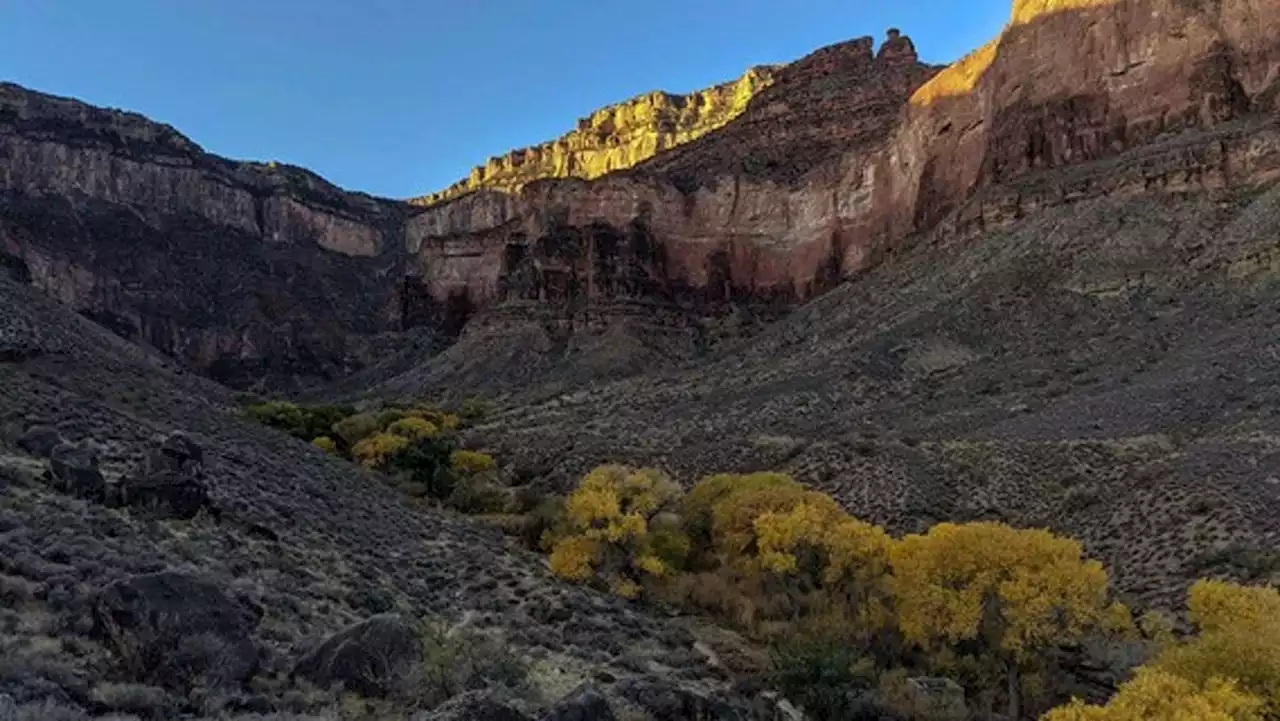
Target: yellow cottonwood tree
x=607, y=531
x=1154, y=695
x=373, y=452
x=1238, y=639
x=413, y=428
x=1018, y=592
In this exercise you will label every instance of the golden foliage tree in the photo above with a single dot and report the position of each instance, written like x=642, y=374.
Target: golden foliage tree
x=606, y=533
x=1155, y=695
x=374, y=451
x=413, y=428
x=325, y=443
x=1017, y=592
x=1238, y=639
x=471, y=462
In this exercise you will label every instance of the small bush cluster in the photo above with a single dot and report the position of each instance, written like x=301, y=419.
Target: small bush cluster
x=414, y=445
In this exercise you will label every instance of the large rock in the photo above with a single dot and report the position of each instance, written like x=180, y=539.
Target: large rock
x=373, y=657
x=178, y=631
x=171, y=481
x=179, y=453
x=73, y=469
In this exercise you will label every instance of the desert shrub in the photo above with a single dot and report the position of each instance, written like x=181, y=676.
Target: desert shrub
x=825, y=677
x=413, y=428
x=441, y=419
x=426, y=463
x=475, y=495
x=1011, y=594
x=605, y=536
x=356, y=428
x=472, y=410
x=471, y=462
x=303, y=422
x=457, y=660
x=375, y=451
x=325, y=443
x=387, y=416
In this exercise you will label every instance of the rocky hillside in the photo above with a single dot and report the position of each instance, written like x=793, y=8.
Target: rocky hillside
x=159, y=552
x=616, y=137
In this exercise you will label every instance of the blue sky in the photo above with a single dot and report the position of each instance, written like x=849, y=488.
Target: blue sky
x=402, y=97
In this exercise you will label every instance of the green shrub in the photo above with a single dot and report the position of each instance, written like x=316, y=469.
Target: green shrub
x=471, y=462
x=425, y=462
x=303, y=422
x=356, y=428
x=477, y=496
x=456, y=660
x=825, y=677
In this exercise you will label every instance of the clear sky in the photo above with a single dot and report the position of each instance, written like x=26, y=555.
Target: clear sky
x=401, y=97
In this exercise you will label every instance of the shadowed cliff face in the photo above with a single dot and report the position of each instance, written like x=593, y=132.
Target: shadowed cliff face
x=241, y=270
x=818, y=171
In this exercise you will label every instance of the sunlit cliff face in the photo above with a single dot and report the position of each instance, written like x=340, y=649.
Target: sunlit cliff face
x=616, y=138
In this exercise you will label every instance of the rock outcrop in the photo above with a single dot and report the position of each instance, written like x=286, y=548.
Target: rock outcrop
x=755, y=195
x=616, y=137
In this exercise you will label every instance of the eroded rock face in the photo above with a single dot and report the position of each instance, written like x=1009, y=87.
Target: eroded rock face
x=766, y=194
x=616, y=137
x=241, y=270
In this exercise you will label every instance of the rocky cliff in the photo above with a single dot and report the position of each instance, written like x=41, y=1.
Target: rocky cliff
x=616, y=137
x=820, y=170
x=242, y=270
x=850, y=153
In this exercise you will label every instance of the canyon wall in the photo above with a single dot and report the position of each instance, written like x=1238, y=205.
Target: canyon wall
x=241, y=270
x=616, y=137
x=816, y=171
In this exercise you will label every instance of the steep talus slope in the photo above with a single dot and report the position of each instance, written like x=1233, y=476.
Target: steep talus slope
x=312, y=541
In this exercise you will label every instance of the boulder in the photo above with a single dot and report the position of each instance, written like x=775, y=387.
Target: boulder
x=177, y=453
x=472, y=706
x=583, y=704
x=178, y=631
x=40, y=440
x=171, y=482
x=176, y=495
x=74, y=471
x=372, y=657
